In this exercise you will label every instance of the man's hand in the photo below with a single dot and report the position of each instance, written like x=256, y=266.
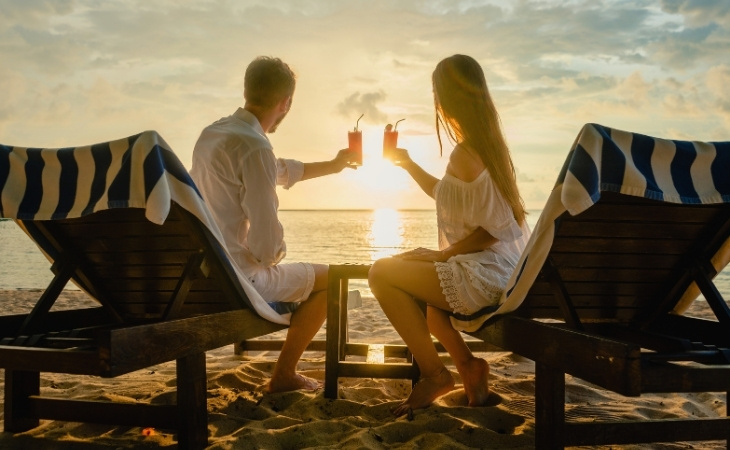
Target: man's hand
x=423, y=254
x=344, y=159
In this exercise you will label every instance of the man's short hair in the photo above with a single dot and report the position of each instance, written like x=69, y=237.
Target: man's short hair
x=268, y=81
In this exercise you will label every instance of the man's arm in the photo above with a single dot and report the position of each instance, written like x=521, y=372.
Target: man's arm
x=322, y=168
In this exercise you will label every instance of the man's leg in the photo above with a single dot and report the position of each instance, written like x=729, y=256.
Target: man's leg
x=305, y=323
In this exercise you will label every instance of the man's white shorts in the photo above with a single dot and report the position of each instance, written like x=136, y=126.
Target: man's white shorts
x=289, y=282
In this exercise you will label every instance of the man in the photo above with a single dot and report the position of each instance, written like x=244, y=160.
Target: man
x=235, y=168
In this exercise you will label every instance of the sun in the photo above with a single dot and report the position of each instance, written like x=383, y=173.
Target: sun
x=379, y=175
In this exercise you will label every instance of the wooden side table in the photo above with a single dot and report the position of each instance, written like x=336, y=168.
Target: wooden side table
x=338, y=346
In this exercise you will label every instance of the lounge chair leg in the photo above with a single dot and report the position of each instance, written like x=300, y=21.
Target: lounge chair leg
x=549, y=407
x=192, y=403
x=19, y=386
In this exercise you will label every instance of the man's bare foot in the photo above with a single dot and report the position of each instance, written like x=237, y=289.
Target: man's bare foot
x=475, y=377
x=295, y=383
x=426, y=391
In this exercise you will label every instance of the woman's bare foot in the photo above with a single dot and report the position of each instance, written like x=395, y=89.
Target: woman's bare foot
x=295, y=383
x=475, y=376
x=426, y=391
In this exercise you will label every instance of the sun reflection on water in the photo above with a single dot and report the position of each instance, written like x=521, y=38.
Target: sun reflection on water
x=386, y=233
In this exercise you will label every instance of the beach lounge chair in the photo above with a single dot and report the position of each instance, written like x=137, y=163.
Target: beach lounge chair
x=125, y=223
x=634, y=229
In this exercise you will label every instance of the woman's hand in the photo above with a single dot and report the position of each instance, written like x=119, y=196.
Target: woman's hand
x=400, y=157
x=423, y=254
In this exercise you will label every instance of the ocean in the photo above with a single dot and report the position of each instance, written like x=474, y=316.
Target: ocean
x=317, y=236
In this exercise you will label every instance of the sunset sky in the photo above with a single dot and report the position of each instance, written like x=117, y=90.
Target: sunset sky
x=78, y=72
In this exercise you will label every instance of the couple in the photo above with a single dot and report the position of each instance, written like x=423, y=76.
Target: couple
x=481, y=224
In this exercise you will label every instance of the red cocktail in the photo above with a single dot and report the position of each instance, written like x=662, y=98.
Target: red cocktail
x=390, y=140
x=354, y=140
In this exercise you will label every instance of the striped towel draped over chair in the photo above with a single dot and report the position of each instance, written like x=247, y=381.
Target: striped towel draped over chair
x=603, y=159
x=139, y=171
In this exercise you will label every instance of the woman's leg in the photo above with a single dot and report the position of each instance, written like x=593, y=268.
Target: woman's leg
x=474, y=371
x=305, y=322
x=395, y=282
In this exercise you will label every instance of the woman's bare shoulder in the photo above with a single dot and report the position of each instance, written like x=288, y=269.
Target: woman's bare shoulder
x=464, y=164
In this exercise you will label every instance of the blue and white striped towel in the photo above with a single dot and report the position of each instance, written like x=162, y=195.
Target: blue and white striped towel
x=140, y=171
x=604, y=159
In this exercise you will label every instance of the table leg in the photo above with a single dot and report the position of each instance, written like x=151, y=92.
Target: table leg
x=332, y=354
x=342, y=306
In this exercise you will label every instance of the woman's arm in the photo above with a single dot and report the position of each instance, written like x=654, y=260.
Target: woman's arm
x=425, y=180
x=478, y=240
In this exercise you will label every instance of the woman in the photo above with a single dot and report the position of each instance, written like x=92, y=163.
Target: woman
x=482, y=232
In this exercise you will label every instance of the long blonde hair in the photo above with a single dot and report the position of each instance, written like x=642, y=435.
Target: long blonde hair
x=466, y=111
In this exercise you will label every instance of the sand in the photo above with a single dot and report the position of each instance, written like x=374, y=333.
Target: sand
x=241, y=416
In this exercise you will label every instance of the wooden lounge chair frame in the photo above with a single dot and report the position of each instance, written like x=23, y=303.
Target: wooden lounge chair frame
x=166, y=293
x=601, y=310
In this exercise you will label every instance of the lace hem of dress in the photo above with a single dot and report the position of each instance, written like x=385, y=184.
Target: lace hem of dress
x=449, y=283
x=489, y=291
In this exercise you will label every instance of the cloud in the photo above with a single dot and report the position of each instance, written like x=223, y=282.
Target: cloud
x=34, y=13
x=79, y=70
x=718, y=80
x=699, y=13
x=366, y=103
x=14, y=87
x=633, y=90
x=524, y=178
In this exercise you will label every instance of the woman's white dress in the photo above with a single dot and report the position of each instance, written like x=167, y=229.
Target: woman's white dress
x=474, y=281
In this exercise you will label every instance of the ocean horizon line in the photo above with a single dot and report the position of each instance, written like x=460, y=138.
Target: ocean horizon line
x=355, y=209
x=345, y=210
x=371, y=209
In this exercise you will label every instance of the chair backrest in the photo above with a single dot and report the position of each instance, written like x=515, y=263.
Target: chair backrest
x=626, y=259
x=140, y=270
x=125, y=221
